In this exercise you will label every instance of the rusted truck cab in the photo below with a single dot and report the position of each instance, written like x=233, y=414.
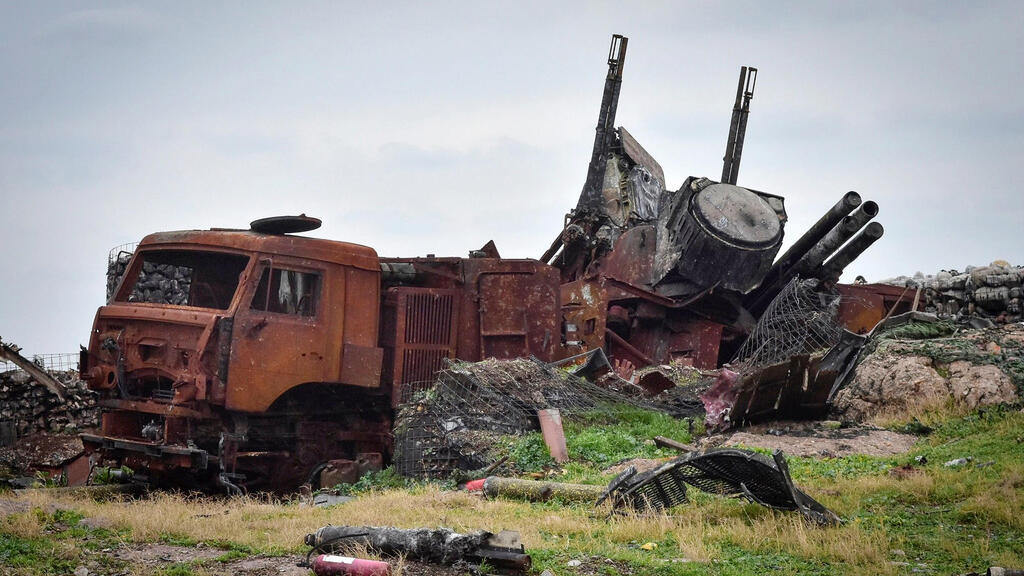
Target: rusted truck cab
x=244, y=358
x=227, y=353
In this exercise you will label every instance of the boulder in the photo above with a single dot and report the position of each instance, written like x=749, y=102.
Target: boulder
x=980, y=385
x=889, y=383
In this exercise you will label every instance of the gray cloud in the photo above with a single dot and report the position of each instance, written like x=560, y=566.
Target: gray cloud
x=433, y=127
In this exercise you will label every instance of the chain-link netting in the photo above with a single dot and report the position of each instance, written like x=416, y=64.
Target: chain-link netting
x=455, y=424
x=800, y=320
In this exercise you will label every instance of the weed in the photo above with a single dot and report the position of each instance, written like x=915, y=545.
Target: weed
x=953, y=520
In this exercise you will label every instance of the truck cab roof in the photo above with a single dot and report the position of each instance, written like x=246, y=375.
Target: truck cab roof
x=332, y=251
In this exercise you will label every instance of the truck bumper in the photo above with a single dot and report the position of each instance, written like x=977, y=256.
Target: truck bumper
x=151, y=456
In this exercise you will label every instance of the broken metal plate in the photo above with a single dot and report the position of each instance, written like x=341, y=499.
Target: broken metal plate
x=728, y=472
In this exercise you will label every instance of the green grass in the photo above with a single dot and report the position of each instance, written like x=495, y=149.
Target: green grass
x=950, y=520
x=596, y=441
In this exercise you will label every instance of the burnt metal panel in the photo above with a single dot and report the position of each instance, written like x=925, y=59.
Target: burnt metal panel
x=503, y=330
x=639, y=155
x=360, y=365
x=862, y=306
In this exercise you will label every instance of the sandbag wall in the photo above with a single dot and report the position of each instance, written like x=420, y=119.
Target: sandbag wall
x=992, y=291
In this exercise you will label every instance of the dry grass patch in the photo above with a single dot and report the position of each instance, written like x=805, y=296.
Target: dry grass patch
x=849, y=545
x=22, y=524
x=930, y=413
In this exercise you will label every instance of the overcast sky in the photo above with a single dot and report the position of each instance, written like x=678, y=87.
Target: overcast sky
x=432, y=127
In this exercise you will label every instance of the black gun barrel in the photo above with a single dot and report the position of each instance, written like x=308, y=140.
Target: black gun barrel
x=604, y=138
x=833, y=269
x=835, y=238
x=605, y=131
x=815, y=233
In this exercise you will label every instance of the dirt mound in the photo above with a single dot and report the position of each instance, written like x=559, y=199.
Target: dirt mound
x=889, y=383
x=975, y=367
x=818, y=440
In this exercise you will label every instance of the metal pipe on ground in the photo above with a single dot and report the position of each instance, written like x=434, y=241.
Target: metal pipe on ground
x=833, y=269
x=538, y=491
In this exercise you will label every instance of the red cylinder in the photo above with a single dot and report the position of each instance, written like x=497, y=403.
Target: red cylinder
x=331, y=565
x=475, y=485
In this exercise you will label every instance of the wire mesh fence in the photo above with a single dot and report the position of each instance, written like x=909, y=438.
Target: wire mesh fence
x=118, y=253
x=50, y=362
x=455, y=423
x=800, y=320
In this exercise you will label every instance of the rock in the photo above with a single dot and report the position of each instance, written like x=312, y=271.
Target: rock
x=81, y=571
x=957, y=463
x=891, y=382
x=980, y=385
x=573, y=563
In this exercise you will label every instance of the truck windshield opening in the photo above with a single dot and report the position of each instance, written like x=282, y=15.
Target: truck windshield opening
x=184, y=278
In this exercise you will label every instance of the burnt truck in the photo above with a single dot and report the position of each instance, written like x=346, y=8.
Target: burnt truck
x=255, y=357
x=261, y=354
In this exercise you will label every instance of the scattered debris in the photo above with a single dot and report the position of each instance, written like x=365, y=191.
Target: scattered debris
x=997, y=571
x=729, y=472
x=815, y=439
x=455, y=424
x=30, y=406
x=38, y=423
x=664, y=442
x=332, y=565
x=554, y=435
x=57, y=458
x=11, y=353
x=324, y=499
x=443, y=546
x=641, y=465
x=799, y=387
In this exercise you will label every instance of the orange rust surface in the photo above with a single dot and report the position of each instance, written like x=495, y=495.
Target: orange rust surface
x=862, y=306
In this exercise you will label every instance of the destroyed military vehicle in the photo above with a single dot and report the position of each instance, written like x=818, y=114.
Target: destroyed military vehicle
x=252, y=358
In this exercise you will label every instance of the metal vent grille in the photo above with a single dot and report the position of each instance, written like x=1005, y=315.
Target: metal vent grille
x=420, y=365
x=423, y=334
x=428, y=318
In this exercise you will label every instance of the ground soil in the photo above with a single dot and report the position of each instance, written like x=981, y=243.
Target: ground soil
x=815, y=439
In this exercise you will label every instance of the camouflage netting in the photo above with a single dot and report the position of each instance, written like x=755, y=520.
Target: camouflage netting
x=929, y=364
x=455, y=424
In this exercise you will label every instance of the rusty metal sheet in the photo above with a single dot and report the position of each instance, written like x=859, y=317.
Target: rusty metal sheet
x=862, y=306
x=632, y=259
x=419, y=331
